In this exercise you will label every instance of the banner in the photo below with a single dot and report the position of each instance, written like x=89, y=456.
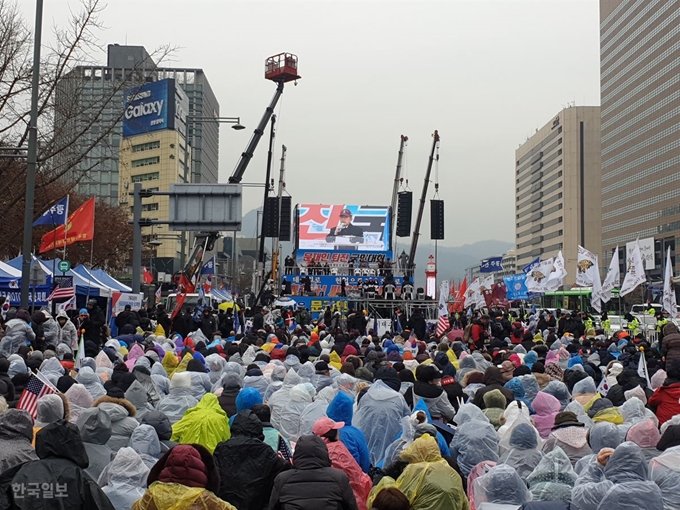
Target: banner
x=537, y=279
x=491, y=265
x=585, y=267
x=55, y=215
x=120, y=299
x=330, y=286
x=80, y=227
x=485, y=286
x=531, y=265
x=471, y=295
x=497, y=296
x=517, y=287
x=557, y=274
x=646, y=251
x=443, y=313
x=460, y=296
x=635, y=272
x=669, y=301
x=596, y=296
x=349, y=227
x=613, y=278
x=209, y=266
x=303, y=258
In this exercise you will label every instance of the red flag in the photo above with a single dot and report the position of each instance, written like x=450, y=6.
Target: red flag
x=148, y=276
x=78, y=228
x=181, y=297
x=460, y=296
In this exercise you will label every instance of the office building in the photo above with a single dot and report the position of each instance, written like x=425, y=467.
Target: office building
x=92, y=147
x=509, y=263
x=640, y=101
x=557, y=197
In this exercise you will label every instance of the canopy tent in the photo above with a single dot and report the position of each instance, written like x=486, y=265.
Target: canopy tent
x=221, y=295
x=102, y=278
x=10, y=286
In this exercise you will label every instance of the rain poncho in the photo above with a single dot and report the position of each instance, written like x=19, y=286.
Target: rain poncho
x=279, y=400
x=79, y=399
x=553, y=478
x=523, y=453
x=173, y=496
x=311, y=414
x=359, y=481
x=124, y=480
x=247, y=398
x=601, y=435
x=16, y=434
x=510, y=414
x=572, y=440
x=378, y=417
x=584, y=392
x=206, y=424
x=665, y=472
x=123, y=422
x=160, y=378
x=179, y=400
x=428, y=481
x=137, y=396
x=92, y=382
x=517, y=387
x=256, y=381
x=469, y=412
x=144, y=441
x=200, y=384
x=576, y=408
x=276, y=382
x=474, y=442
x=626, y=473
x=560, y=391
x=216, y=364
x=633, y=411
x=52, y=370
x=301, y=396
x=646, y=435
x=546, y=407
x=531, y=387
x=341, y=409
x=50, y=410
x=95, y=431
x=502, y=486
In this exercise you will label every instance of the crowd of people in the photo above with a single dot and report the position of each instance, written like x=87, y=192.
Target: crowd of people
x=500, y=413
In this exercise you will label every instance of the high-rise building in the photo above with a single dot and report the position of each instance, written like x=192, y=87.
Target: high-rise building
x=557, y=199
x=640, y=98
x=89, y=113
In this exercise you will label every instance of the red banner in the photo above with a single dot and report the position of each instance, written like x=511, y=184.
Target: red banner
x=79, y=227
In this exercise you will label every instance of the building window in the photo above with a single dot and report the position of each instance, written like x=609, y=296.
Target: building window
x=145, y=177
x=146, y=146
x=150, y=207
x=145, y=161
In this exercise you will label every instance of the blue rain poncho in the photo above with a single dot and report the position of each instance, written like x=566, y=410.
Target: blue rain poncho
x=501, y=486
x=553, y=478
x=517, y=387
x=603, y=434
x=341, y=409
x=531, y=387
x=379, y=418
x=474, y=442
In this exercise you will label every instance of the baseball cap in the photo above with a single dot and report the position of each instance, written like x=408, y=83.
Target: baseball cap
x=324, y=425
x=345, y=212
x=321, y=367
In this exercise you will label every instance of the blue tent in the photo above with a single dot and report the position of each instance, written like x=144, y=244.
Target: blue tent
x=100, y=277
x=10, y=286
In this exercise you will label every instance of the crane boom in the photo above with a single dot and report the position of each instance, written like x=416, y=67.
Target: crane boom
x=395, y=189
x=247, y=155
x=421, y=207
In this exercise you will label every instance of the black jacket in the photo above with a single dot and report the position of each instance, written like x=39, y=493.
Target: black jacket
x=493, y=381
x=127, y=317
x=313, y=484
x=63, y=460
x=249, y=464
x=258, y=321
x=208, y=326
x=418, y=325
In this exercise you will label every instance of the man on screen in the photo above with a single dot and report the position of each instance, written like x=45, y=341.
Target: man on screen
x=346, y=229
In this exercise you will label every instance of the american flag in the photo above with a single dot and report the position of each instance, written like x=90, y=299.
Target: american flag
x=443, y=322
x=36, y=388
x=64, y=289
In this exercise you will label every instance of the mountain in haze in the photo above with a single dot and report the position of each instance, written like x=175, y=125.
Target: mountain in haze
x=451, y=261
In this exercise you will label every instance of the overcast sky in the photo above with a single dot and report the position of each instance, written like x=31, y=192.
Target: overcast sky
x=484, y=73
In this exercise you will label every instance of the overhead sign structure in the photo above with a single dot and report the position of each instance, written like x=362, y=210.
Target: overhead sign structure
x=154, y=106
x=205, y=207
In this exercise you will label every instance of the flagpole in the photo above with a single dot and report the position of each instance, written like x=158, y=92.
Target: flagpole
x=54, y=261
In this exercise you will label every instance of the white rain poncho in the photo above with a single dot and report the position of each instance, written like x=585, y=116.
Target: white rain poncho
x=510, y=414
x=469, y=412
x=500, y=486
x=200, y=384
x=346, y=384
x=634, y=411
x=79, y=399
x=474, y=442
x=560, y=391
x=276, y=378
x=407, y=436
x=278, y=401
x=124, y=480
x=626, y=472
x=311, y=414
x=176, y=403
x=646, y=435
x=577, y=409
x=50, y=410
x=584, y=390
x=379, y=418
x=52, y=370
x=553, y=478
x=92, y=382
x=160, y=378
x=17, y=366
x=521, y=446
x=603, y=434
x=306, y=371
x=665, y=472
x=301, y=396
x=144, y=441
x=256, y=381
x=531, y=387
x=216, y=364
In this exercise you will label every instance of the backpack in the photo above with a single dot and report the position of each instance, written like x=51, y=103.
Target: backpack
x=467, y=333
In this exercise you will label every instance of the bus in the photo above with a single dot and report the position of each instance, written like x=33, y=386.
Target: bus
x=577, y=299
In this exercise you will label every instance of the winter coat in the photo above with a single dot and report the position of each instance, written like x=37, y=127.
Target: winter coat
x=665, y=402
x=123, y=422
x=248, y=464
x=359, y=481
x=145, y=442
x=179, y=400
x=436, y=400
x=313, y=484
x=95, y=431
x=124, y=480
x=17, y=333
x=341, y=409
x=670, y=345
x=493, y=380
x=205, y=424
x=16, y=435
x=63, y=460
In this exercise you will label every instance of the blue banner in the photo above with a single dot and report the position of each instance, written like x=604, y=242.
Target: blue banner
x=491, y=265
x=330, y=286
x=531, y=265
x=517, y=287
x=55, y=215
x=209, y=266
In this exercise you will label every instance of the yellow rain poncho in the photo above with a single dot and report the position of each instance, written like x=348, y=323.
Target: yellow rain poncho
x=206, y=424
x=173, y=496
x=428, y=481
x=453, y=358
x=169, y=363
x=336, y=360
x=160, y=331
x=182, y=367
x=612, y=415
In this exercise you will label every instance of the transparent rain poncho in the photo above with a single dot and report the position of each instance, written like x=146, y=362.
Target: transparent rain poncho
x=646, y=435
x=394, y=449
x=501, y=485
x=521, y=447
x=560, y=391
x=553, y=478
x=311, y=414
x=124, y=480
x=289, y=419
x=92, y=382
x=179, y=399
x=531, y=387
x=278, y=374
x=144, y=441
x=576, y=408
x=474, y=442
x=469, y=412
x=379, y=418
x=602, y=435
x=279, y=400
x=665, y=472
x=216, y=364
x=634, y=411
x=584, y=391
x=510, y=414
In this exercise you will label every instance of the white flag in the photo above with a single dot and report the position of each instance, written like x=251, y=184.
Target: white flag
x=485, y=284
x=635, y=271
x=537, y=278
x=613, y=278
x=596, y=296
x=443, y=296
x=585, y=267
x=642, y=369
x=471, y=293
x=558, y=273
x=669, y=302
x=66, y=305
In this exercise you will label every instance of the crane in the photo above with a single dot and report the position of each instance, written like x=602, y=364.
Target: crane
x=421, y=207
x=397, y=181
x=281, y=69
